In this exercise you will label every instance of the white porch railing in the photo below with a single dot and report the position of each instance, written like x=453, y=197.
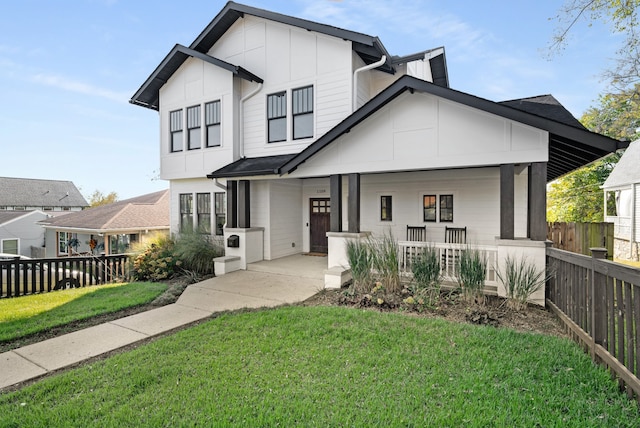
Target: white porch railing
x=448, y=254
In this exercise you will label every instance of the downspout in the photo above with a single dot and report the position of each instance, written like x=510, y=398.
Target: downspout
x=241, y=119
x=355, y=78
x=632, y=231
x=219, y=185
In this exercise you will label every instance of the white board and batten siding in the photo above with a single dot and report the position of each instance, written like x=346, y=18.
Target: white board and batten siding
x=287, y=58
x=422, y=131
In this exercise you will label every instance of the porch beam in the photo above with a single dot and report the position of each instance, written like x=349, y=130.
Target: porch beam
x=244, y=204
x=507, y=197
x=336, y=203
x=537, y=211
x=354, y=203
x=232, y=203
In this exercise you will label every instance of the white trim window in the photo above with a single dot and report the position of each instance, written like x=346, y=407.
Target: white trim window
x=386, y=211
x=11, y=246
x=437, y=208
x=212, y=123
x=194, y=135
x=175, y=131
x=302, y=110
x=203, y=207
x=186, y=212
x=277, y=117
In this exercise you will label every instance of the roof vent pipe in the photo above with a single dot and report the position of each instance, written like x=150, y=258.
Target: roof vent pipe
x=355, y=79
x=241, y=119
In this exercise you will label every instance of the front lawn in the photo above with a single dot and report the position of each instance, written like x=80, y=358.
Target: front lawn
x=28, y=315
x=331, y=366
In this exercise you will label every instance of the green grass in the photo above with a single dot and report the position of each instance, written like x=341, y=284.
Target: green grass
x=331, y=366
x=628, y=263
x=23, y=316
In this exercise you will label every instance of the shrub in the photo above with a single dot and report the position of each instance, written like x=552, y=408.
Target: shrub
x=154, y=259
x=472, y=270
x=359, y=256
x=521, y=279
x=196, y=251
x=385, y=261
x=426, y=274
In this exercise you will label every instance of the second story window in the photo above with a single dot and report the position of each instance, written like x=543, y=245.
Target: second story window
x=212, y=123
x=302, y=101
x=193, y=127
x=175, y=129
x=277, y=117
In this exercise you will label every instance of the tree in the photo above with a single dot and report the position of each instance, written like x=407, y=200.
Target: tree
x=618, y=115
x=622, y=15
x=97, y=198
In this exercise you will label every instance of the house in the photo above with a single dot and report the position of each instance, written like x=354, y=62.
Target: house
x=623, y=187
x=51, y=196
x=110, y=228
x=315, y=135
x=20, y=232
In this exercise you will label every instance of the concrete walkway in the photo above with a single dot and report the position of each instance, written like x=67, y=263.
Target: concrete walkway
x=236, y=290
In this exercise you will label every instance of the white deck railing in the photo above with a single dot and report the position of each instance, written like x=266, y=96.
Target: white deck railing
x=449, y=254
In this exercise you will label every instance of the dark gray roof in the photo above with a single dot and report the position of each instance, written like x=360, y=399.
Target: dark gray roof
x=627, y=171
x=545, y=106
x=29, y=192
x=149, y=93
x=247, y=167
x=570, y=147
x=438, y=64
x=149, y=211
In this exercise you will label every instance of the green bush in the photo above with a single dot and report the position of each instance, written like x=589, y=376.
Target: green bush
x=359, y=256
x=196, y=251
x=426, y=274
x=521, y=279
x=386, y=261
x=154, y=259
x=472, y=271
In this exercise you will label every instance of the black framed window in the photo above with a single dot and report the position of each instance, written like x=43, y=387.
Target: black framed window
x=446, y=208
x=429, y=208
x=186, y=212
x=193, y=128
x=175, y=130
x=221, y=210
x=203, y=207
x=385, y=208
x=212, y=123
x=302, y=105
x=277, y=117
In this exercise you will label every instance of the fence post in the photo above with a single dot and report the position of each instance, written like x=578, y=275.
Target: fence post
x=598, y=310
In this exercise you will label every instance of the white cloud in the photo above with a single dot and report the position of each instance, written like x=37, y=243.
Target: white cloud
x=79, y=87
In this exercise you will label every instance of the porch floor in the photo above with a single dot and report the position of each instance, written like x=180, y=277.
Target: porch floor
x=303, y=266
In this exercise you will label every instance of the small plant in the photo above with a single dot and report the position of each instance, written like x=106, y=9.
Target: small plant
x=359, y=256
x=427, y=276
x=154, y=259
x=521, y=278
x=386, y=261
x=196, y=251
x=472, y=271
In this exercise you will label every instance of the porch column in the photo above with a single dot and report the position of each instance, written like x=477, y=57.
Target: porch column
x=244, y=204
x=354, y=203
x=336, y=203
x=537, y=207
x=232, y=203
x=507, y=196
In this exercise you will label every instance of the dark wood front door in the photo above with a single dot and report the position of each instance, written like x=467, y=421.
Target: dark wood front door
x=319, y=224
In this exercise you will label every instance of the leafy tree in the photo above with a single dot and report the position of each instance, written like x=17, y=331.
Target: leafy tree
x=97, y=198
x=622, y=15
x=618, y=115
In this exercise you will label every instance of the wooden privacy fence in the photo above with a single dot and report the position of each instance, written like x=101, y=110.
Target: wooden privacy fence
x=599, y=301
x=20, y=277
x=580, y=237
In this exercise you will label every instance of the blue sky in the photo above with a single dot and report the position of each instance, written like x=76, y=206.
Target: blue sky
x=68, y=69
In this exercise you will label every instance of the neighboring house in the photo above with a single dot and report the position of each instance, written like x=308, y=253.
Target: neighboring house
x=317, y=135
x=109, y=229
x=20, y=232
x=51, y=196
x=623, y=186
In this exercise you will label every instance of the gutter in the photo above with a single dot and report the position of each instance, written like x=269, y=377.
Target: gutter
x=241, y=119
x=355, y=79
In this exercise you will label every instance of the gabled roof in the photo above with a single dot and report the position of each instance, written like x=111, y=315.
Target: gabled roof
x=9, y=216
x=437, y=62
x=149, y=211
x=149, y=93
x=570, y=147
x=627, y=171
x=29, y=192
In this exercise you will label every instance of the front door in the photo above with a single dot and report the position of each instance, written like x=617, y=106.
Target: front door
x=319, y=224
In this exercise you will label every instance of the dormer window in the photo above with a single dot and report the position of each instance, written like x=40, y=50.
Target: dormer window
x=302, y=100
x=175, y=129
x=277, y=116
